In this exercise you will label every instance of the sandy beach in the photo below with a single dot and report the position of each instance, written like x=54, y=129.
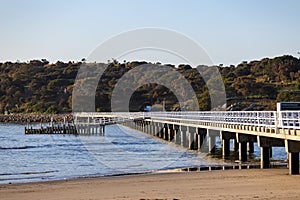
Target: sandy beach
x=229, y=184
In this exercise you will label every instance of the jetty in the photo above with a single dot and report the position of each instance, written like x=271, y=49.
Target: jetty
x=198, y=130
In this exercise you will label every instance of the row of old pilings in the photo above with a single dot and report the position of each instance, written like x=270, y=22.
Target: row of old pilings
x=79, y=129
x=85, y=127
x=57, y=129
x=204, y=140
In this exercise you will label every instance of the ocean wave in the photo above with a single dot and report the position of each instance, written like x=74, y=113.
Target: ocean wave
x=28, y=173
x=25, y=147
x=19, y=147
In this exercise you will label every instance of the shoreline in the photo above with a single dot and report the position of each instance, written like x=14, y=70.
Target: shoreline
x=227, y=184
x=201, y=169
x=28, y=118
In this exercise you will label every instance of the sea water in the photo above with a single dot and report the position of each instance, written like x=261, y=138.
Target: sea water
x=29, y=158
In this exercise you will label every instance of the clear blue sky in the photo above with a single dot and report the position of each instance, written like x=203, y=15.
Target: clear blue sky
x=231, y=31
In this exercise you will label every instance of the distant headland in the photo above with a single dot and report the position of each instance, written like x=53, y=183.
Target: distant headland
x=38, y=86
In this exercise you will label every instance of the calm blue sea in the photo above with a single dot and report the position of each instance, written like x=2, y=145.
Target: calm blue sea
x=28, y=158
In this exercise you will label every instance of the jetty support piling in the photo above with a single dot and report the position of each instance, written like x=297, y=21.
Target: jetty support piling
x=293, y=149
x=212, y=134
x=251, y=147
x=201, y=133
x=183, y=131
x=191, y=132
x=226, y=137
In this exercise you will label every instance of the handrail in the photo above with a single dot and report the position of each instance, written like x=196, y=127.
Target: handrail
x=269, y=119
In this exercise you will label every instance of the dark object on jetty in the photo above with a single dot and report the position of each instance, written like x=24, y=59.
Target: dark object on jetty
x=65, y=129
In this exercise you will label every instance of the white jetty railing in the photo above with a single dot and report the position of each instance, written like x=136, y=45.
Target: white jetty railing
x=268, y=119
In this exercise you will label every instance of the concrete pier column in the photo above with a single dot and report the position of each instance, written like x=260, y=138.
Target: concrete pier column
x=149, y=128
x=195, y=140
x=176, y=133
x=200, y=141
x=251, y=147
x=78, y=129
x=84, y=129
x=191, y=133
x=93, y=130
x=182, y=133
x=152, y=128
x=171, y=132
x=265, y=157
x=155, y=126
x=293, y=149
x=141, y=126
x=88, y=126
x=235, y=145
x=243, y=151
x=266, y=144
x=166, y=132
x=156, y=129
x=293, y=163
x=225, y=148
x=146, y=127
x=212, y=140
x=183, y=130
x=243, y=139
x=96, y=129
x=136, y=125
x=160, y=130
x=163, y=131
x=201, y=134
x=226, y=137
x=212, y=144
x=100, y=130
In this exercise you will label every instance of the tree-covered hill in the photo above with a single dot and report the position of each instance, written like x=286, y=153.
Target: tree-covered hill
x=41, y=87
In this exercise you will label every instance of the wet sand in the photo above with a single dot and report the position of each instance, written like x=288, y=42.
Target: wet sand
x=229, y=184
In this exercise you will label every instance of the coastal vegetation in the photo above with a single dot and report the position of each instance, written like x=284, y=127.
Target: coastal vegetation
x=38, y=86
